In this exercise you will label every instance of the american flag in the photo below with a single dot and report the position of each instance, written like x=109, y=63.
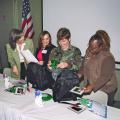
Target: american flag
x=27, y=23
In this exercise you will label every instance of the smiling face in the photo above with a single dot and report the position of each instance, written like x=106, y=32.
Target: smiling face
x=45, y=40
x=63, y=38
x=95, y=47
x=64, y=43
x=21, y=40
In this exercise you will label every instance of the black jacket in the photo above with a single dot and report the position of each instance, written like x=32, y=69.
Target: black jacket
x=45, y=56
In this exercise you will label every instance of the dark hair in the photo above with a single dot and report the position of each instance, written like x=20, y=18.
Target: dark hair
x=63, y=33
x=105, y=38
x=98, y=38
x=14, y=36
x=42, y=34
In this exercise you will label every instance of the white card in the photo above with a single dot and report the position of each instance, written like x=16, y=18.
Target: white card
x=44, y=51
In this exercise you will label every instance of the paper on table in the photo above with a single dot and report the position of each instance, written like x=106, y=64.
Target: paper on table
x=29, y=56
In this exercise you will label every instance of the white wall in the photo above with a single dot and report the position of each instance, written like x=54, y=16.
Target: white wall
x=84, y=18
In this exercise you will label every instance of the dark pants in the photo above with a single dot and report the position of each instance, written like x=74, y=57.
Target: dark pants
x=111, y=98
x=23, y=71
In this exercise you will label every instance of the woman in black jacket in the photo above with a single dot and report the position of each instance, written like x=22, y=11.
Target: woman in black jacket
x=37, y=73
x=44, y=48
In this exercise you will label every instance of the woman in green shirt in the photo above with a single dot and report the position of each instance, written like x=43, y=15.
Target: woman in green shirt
x=17, y=43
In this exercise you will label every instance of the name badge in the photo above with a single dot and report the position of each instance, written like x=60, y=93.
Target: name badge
x=44, y=51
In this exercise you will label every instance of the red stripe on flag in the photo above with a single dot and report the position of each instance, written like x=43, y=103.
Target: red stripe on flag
x=24, y=23
x=29, y=30
x=27, y=24
x=29, y=19
x=32, y=34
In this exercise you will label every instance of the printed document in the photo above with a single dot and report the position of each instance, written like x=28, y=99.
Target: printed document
x=29, y=56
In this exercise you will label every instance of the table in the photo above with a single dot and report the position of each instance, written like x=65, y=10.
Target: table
x=23, y=107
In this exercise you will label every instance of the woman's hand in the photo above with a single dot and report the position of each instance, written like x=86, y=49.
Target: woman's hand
x=62, y=65
x=41, y=62
x=15, y=70
x=88, y=89
x=49, y=65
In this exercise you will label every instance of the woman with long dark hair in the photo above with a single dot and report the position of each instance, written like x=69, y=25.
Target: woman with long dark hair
x=44, y=48
x=17, y=43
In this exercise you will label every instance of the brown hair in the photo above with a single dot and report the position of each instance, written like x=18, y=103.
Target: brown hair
x=42, y=34
x=14, y=36
x=63, y=33
x=105, y=38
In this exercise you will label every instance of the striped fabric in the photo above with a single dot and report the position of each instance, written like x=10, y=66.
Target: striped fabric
x=27, y=23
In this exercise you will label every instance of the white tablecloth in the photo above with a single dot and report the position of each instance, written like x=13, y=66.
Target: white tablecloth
x=23, y=107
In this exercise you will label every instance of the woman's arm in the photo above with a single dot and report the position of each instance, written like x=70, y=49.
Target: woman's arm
x=10, y=56
x=11, y=60
x=75, y=62
x=106, y=71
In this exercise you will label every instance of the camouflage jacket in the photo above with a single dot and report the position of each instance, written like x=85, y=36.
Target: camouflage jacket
x=72, y=56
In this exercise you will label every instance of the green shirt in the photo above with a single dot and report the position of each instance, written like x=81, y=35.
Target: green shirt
x=13, y=56
x=72, y=56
